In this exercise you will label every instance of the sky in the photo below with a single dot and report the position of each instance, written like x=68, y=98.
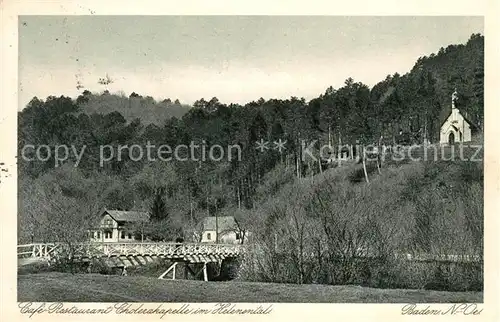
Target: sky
x=237, y=59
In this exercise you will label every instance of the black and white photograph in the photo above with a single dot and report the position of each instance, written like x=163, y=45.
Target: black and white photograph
x=250, y=159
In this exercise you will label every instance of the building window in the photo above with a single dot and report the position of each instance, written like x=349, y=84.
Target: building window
x=108, y=234
x=209, y=236
x=123, y=234
x=129, y=236
x=98, y=235
x=237, y=235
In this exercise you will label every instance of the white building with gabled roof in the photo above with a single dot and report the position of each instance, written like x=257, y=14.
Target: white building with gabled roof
x=226, y=227
x=456, y=128
x=117, y=226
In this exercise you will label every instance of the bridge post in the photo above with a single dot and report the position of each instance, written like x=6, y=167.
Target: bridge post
x=205, y=274
x=172, y=267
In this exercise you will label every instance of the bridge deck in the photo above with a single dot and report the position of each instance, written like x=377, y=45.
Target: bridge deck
x=178, y=251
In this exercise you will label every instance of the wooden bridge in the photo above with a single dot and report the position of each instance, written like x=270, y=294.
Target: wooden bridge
x=192, y=256
x=132, y=254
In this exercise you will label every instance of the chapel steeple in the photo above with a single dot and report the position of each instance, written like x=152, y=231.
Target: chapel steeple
x=454, y=98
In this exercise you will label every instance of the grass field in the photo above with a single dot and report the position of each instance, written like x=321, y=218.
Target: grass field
x=62, y=287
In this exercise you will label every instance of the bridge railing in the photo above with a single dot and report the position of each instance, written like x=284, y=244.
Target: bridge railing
x=25, y=250
x=36, y=250
x=110, y=249
x=117, y=249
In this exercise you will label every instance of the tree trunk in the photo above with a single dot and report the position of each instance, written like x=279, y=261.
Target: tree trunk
x=363, y=156
x=319, y=157
x=301, y=260
x=378, y=164
x=425, y=132
x=191, y=210
x=297, y=165
x=216, y=228
x=319, y=164
x=239, y=196
x=299, y=158
x=379, y=155
x=242, y=233
x=329, y=137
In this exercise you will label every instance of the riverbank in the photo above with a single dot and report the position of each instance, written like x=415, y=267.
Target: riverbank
x=63, y=287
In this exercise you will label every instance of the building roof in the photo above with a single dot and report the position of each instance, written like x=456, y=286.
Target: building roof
x=471, y=124
x=225, y=223
x=129, y=216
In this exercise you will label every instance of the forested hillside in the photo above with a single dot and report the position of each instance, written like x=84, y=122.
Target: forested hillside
x=182, y=192
x=131, y=107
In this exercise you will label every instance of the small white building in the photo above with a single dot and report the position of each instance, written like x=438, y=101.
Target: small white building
x=456, y=128
x=118, y=226
x=228, y=230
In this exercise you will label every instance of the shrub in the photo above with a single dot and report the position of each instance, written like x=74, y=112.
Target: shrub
x=358, y=174
x=100, y=267
x=37, y=267
x=313, y=229
x=153, y=269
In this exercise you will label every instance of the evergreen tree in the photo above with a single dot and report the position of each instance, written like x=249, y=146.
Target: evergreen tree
x=159, y=207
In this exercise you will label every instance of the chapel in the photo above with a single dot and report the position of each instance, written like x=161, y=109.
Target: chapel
x=456, y=128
